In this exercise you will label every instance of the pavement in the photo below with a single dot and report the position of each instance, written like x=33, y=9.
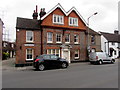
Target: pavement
x=9, y=65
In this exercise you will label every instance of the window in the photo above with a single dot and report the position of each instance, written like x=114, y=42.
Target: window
x=54, y=52
x=73, y=21
x=53, y=57
x=29, y=54
x=76, y=54
x=12, y=45
x=67, y=38
x=76, y=39
x=93, y=39
x=58, y=38
x=58, y=19
x=29, y=36
x=49, y=37
x=113, y=43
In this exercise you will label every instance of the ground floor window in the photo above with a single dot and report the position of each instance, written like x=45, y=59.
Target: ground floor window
x=29, y=54
x=76, y=54
x=54, y=52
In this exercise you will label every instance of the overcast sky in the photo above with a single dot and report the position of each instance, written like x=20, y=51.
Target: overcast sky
x=106, y=20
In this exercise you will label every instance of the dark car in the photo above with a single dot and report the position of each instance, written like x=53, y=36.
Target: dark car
x=46, y=61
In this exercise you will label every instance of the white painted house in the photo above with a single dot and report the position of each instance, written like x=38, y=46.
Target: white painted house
x=110, y=43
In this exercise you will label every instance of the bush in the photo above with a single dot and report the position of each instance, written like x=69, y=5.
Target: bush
x=5, y=55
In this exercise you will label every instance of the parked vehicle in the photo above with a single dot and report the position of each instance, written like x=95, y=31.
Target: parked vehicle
x=46, y=61
x=100, y=58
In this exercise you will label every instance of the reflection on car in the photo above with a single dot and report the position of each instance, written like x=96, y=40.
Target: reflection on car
x=45, y=61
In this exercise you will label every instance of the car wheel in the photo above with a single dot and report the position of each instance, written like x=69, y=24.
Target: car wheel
x=100, y=62
x=112, y=61
x=64, y=65
x=41, y=67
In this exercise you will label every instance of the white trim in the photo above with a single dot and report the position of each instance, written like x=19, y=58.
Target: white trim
x=66, y=13
x=60, y=38
x=69, y=38
x=73, y=19
x=32, y=36
x=58, y=16
x=47, y=37
x=78, y=54
x=32, y=54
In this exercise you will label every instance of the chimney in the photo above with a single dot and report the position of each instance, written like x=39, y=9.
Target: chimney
x=42, y=12
x=35, y=13
x=116, y=32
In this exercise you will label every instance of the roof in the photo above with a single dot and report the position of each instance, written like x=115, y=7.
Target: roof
x=24, y=23
x=111, y=37
x=92, y=32
x=66, y=13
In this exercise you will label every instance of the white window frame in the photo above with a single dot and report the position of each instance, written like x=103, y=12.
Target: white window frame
x=32, y=54
x=60, y=21
x=69, y=38
x=60, y=38
x=51, y=51
x=77, y=39
x=47, y=37
x=73, y=20
x=27, y=36
x=78, y=54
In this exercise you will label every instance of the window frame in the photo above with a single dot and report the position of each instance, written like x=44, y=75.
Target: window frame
x=60, y=38
x=65, y=38
x=51, y=52
x=27, y=54
x=77, y=39
x=59, y=19
x=78, y=52
x=31, y=36
x=51, y=36
x=72, y=21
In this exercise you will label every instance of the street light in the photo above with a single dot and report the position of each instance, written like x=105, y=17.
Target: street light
x=89, y=30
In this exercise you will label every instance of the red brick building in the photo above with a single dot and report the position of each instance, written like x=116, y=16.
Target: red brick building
x=56, y=32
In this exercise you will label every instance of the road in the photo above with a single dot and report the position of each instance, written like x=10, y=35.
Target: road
x=78, y=75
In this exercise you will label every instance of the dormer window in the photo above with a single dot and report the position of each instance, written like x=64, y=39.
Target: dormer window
x=73, y=21
x=58, y=19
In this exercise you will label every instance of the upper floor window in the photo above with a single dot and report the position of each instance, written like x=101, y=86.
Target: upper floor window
x=93, y=39
x=58, y=38
x=58, y=19
x=29, y=36
x=67, y=38
x=76, y=39
x=73, y=21
x=49, y=37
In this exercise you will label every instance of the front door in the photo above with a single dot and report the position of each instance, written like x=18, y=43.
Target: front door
x=66, y=54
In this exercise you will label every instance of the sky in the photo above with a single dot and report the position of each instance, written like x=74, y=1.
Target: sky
x=105, y=21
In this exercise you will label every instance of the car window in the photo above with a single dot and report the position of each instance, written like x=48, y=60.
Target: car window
x=53, y=57
x=47, y=57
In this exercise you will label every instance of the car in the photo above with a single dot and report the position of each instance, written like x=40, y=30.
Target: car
x=100, y=58
x=45, y=61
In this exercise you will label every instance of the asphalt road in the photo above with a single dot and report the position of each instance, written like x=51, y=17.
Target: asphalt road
x=78, y=75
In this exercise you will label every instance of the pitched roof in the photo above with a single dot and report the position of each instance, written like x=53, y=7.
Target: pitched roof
x=92, y=32
x=111, y=37
x=66, y=13
x=24, y=23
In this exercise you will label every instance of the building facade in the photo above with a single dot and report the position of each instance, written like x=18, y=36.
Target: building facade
x=1, y=31
x=56, y=32
x=110, y=43
x=94, y=40
x=8, y=47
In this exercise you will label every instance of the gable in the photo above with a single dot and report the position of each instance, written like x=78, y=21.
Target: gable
x=47, y=20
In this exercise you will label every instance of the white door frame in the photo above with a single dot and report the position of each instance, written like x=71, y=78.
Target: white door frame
x=68, y=54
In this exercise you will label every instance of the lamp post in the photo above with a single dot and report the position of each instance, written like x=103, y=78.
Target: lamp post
x=89, y=31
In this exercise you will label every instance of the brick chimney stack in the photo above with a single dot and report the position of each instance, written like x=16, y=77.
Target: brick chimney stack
x=35, y=13
x=116, y=32
x=42, y=12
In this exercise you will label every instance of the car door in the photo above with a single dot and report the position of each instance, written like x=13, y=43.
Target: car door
x=47, y=60
x=54, y=60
